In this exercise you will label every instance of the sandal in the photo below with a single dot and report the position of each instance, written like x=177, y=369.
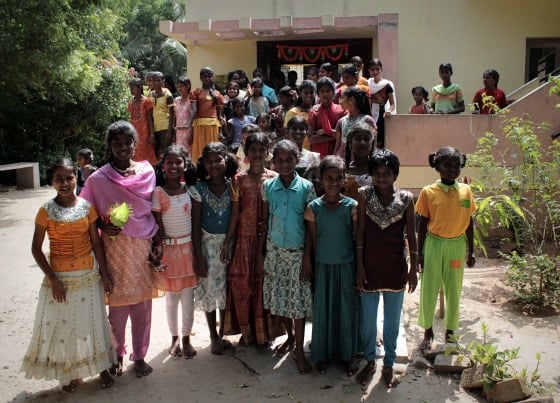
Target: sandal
x=391, y=381
x=106, y=380
x=366, y=374
x=142, y=368
x=188, y=350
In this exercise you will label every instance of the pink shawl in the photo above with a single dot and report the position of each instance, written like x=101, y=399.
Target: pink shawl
x=106, y=187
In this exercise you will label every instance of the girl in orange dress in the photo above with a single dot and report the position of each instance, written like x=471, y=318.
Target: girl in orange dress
x=206, y=113
x=140, y=109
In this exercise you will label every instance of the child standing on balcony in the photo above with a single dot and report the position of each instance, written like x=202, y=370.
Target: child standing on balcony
x=421, y=105
x=445, y=231
x=381, y=91
x=489, y=99
x=447, y=97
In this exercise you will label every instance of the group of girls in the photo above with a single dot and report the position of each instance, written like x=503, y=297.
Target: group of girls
x=248, y=245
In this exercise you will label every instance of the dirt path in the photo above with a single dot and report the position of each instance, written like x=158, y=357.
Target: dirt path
x=249, y=375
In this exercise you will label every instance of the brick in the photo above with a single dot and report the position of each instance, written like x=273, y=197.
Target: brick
x=471, y=378
x=510, y=390
x=450, y=364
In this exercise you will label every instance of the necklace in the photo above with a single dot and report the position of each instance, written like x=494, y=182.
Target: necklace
x=121, y=171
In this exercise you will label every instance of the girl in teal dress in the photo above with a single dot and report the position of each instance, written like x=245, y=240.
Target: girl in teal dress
x=331, y=222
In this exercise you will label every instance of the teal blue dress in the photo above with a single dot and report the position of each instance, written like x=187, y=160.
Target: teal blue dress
x=335, y=299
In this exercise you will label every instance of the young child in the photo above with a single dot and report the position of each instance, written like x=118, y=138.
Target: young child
x=211, y=211
x=327, y=70
x=242, y=160
x=297, y=132
x=303, y=105
x=361, y=139
x=312, y=174
x=256, y=102
x=183, y=133
x=385, y=213
x=447, y=97
x=421, y=105
x=331, y=222
x=140, y=109
x=278, y=113
x=245, y=311
x=313, y=74
x=85, y=168
x=264, y=121
x=381, y=91
x=235, y=124
x=163, y=114
x=172, y=209
x=287, y=289
x=444, y=233
x=206, y=113
x=232, y=92
x=323, y=117
x=349, y=78
x=356, y=103
x=71, y=337
x=489, y=99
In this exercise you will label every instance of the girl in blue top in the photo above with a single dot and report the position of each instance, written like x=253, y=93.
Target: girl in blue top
x=211, y=210
x=287, y=290
x=331, y=221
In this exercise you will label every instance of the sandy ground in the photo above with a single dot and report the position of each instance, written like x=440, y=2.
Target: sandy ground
x=247, y=374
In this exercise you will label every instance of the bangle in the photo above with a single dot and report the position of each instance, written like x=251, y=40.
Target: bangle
x=412, y=252
x=359, y=247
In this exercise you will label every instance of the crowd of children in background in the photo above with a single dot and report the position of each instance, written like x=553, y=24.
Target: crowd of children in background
x=267, y=209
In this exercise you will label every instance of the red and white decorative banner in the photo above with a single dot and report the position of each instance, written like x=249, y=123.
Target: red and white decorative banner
x=312, y=54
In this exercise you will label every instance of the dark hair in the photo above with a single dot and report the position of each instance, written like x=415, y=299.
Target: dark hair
x=327, y=67
x=256, y=81
x=265, y=116
x=190, y=169
x=326, y=82
x=356, y=59
x=360, y=128
x=232, y=83
x=287, y=146
x=219, y=148
x=384, y=157
x=436, y=158
x=258, y=72
x=236, y=101
x=313, y=69
x=305, y=84
x=494, y=74
x=256, y=137
x=212, y=91
x=184, y=80
x=361, y=97
x=87, y=154
x=64, y=163
x=375, y=62
x=298, y=119
x=422, y=90
x=157, y=74
x=136, y=82
x=349, y=69
x=114, y=129
x=329, y=162
x=285, y=91
x=168, y=80
x=446, y=66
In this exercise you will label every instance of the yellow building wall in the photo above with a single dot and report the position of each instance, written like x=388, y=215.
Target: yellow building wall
x=472, y=35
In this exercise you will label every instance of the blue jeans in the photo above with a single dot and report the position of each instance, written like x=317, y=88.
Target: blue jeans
x=392, y=307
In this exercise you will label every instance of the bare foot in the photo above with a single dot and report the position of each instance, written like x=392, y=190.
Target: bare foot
x=391, y=381
x=175, y=349
x=351, y=367
x=321, y=366
x=428, y=338
x=366, y=374
x=106, y=380
x=142, y=368
x=217, y=347
x=71, y=387
x=117, y=369
x=285, y=347
x=302, y=364
x=449, y=336
x=188, y=349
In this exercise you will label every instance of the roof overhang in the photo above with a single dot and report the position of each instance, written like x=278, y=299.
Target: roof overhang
x=269, y=29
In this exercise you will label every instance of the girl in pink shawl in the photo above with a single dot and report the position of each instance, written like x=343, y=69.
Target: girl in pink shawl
x=128, y=248
x=323, y=118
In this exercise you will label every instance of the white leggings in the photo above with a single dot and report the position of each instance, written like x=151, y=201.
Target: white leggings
x=187, y=307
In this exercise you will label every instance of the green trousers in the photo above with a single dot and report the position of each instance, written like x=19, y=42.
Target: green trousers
x=444, y=265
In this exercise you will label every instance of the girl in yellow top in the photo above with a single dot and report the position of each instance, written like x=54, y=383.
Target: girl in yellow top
x=71, y=338
x=445, y=231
